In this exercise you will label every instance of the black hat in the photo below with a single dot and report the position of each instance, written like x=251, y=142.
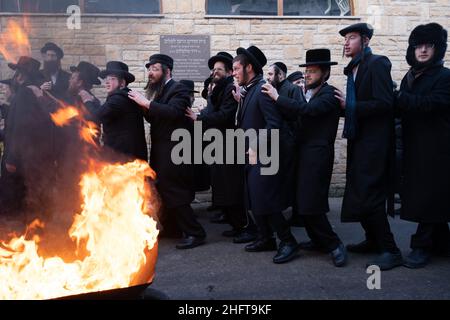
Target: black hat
x=189, y=84
x=294, y=76
x=282, y=66
x=26, y=64
x=206, y=84
x=318, y=57
x=8, y=82
x=362, y=28
x=117, y=68
x=160, y=58
x=88, y=72
x=224, y=57
x=256, y=57
x=52, y=46
x=432, y=33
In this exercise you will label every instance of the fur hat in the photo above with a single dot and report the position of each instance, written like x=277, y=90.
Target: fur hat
x=427, y=33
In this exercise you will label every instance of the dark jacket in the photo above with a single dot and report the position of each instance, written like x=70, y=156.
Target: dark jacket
x=227, y=179
x=59, y=89
x=371, y=155
x=123, y=124
x=425, y=114
x=166, y=114
x=315, y=153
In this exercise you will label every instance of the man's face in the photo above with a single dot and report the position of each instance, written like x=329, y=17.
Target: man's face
x=113, y=83
x=313, y=76
x=155, y=73
x=219, y=71
x=75, y=83
x=352, y=44
x=300, y=83
x=239, y=73
x=424, y=52
x=49, y=55
x=273, y=78
x=7, y=90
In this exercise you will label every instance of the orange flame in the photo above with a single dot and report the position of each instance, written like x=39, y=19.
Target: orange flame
x=14, y=41
x=114, y=228
x=64, y=115
x=89, y=132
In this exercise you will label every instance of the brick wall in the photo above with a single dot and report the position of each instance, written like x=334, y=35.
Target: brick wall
x=133, y=39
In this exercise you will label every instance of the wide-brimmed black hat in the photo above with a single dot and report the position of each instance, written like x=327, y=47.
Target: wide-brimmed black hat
x=362, y=28
x=222, y=56
x=52, y=46
x=256, y=57
x=119, y=69
x=294, y=76
x=318, y=57
x=160, y=58
x=206, y=84
x=8, y=82
x=282, y=66
x=88, y=72
x=190, y=84
x=26, y=64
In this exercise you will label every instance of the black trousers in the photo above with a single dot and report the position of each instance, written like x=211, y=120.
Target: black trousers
x=182, y=219
x=378, y=231
x=321, y=232
x=432, y=236
x=266, y=224
x=238, y=217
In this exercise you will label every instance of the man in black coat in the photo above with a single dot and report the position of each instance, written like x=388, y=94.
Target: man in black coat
x=165, y=107
x=424, y=105
x=56, y=79
x=369, y=130
x=227, y=179
x=265, y=195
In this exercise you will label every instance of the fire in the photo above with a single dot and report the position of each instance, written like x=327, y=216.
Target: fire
x=14, y=41
x=89, y=132
x=64, y=115
x=114, y=228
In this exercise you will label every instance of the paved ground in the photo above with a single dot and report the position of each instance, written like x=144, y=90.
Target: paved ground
x=223, y=270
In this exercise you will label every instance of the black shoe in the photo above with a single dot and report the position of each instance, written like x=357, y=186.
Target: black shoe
x=245, y=236
x=363, y=247
x=219, y=218
x=310, y=246
x=286, y=252
x=418, y=258
x=190, y=242
x=387, y=261
x=231, y=233
x=262, y=245
x=339, y=256
x=296, y=221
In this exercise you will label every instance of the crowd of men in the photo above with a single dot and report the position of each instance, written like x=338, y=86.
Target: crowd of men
x=304, y=109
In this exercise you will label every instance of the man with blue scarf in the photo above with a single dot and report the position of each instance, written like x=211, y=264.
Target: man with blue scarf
x=369, y=130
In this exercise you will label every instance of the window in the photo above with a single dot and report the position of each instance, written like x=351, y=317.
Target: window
x=87, y=6
x=280, y=7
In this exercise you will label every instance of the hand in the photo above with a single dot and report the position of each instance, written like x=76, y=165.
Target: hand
x=36, y=91
x=10, y=168
x=252, y=157
x=270, y=91
x=86, y=96
x=191, y=114
x=139, y=98
x=341, y=97
x=47, y=86
x=237, y=92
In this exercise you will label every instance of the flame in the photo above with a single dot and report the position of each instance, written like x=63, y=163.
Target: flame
x=64, y=115
x=14, y=41
x=89, y=132
x=113, y=228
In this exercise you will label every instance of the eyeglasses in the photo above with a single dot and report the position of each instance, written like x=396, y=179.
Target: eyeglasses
x=427, y=46
x=217, y=69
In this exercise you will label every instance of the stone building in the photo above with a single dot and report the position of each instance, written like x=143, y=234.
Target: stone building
x=130, y=30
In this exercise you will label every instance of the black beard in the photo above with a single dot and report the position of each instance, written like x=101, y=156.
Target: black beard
x=217, y=80
x=276, y=81
x=51, y=67
x=154, y=90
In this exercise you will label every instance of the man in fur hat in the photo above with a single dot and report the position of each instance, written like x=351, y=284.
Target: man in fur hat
x=424, y=105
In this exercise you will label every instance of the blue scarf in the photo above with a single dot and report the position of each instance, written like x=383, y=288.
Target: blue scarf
x=351, y=122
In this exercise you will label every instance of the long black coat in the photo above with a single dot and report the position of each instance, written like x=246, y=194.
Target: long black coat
x=123, y=124
x=425, y=112
x=315, y=155
x=265, y=194
x=227, y=179
x=59, y=89
x=371, y=155
x=175, y=183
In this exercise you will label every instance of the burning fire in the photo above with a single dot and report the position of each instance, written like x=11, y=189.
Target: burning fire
x=14, y=41
x=113, y=227
x=64, y=115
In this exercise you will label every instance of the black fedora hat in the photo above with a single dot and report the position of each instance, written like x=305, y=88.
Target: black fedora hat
x=117, y=68
x=7, y=82
x=88, y=72
x=26, y=64
x=362, y=28
x=294, y=76
x=222, y=56
x=256, y=57
x=190, y=84
x=160, y=58
x=52, y=46
x=318, y=57
x=206, y=84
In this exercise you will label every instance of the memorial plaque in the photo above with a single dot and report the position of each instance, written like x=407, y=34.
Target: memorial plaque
x=190, y=54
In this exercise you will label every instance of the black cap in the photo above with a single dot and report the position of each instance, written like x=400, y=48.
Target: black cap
x=257, y=58
x=294, y=76
x=52, y=46
x=88, y=72
x=222, y=56
x=190, y=84
x=282, y=66
x=117, y=68
x=160, y=58
x=364, y=29
x=318, y=57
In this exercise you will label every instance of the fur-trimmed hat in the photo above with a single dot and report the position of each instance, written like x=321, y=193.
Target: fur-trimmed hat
x=432, y=33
